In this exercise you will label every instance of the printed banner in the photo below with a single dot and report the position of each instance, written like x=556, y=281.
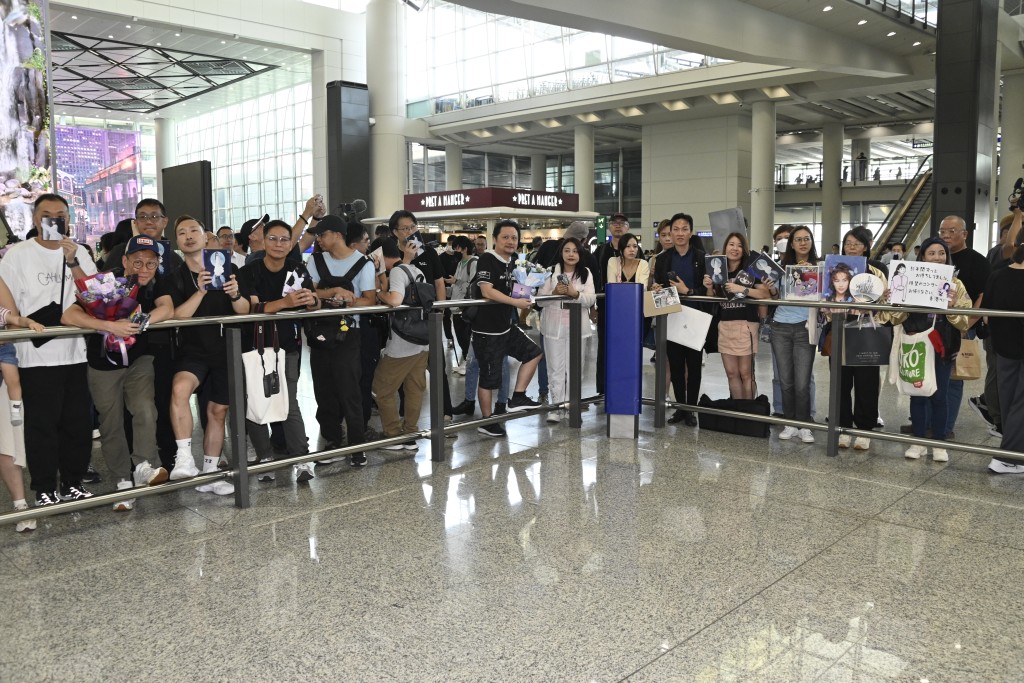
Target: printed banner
x=914, y=283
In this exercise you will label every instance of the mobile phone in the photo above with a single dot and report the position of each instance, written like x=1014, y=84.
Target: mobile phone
x=320, y=208
x=563, y=279
x=53, y=228
x=671, y=275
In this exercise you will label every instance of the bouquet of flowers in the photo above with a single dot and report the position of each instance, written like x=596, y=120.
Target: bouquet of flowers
x=529, y=276
x=107, y=297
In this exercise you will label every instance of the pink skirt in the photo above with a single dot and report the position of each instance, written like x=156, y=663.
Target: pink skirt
x=737, y=337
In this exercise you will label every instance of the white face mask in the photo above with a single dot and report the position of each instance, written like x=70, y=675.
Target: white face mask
x=781, y=245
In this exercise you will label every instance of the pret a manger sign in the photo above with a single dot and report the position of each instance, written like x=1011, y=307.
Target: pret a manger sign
x=487, y=197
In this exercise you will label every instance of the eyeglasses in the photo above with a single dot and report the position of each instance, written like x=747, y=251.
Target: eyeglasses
x=403, y=228
x=145, y=265
x=274, y=239
x=149, y=217
x=949, y=231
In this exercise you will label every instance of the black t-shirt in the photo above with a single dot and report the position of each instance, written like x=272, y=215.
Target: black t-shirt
x=974, y=271
x=1005, y=292
x=736, y=309
x=493, y=270
x=95, y=345
x=429, y=264
x=267, y=286
x=203, y=342
x=449, y=262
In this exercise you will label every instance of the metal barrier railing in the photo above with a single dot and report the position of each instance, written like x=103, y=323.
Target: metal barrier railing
x=241, y=469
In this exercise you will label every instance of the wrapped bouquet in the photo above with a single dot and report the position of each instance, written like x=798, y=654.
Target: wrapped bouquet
x=529, y=276
x=108, y=297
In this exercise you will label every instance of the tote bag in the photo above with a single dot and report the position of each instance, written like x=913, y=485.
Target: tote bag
x=912, y=363
x=866, y=345
x=266, y=392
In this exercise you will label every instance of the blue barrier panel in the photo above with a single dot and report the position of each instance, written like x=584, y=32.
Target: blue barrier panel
x=623, y=346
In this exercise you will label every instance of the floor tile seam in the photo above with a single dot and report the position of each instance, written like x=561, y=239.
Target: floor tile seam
x=961, y=537
x=798, y=503
x=787, y=574
x=811, y=470
x=321, y=508
x=838, y=659
x=955, y=496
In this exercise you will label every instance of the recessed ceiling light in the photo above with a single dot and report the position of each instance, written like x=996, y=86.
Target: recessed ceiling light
x=74, y=17
x=862, y=22
x=890, y=34
x=177, y=35
x=826, y=8
x=127, y=25
x=223, y=42
x=916, y=43
x=159, y=44
x=265, y=49
x=110, y=36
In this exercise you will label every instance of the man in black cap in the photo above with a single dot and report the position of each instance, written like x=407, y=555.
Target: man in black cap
x=343, y=278
x=618, y=225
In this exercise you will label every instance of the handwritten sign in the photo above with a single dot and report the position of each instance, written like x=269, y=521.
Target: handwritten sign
x=914, y=283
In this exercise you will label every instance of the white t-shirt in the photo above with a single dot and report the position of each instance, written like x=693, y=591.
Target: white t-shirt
x=32, y=273
x=397, y=282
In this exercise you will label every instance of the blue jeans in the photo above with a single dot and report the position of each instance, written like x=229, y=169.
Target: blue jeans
x=794, y=357
x=932, y=411
x=777, y=389
x=473, y=378
x=955, y=396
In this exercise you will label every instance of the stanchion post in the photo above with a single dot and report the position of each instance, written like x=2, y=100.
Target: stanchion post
x=660, y=363
x=835, y=380
x=236, y=415
x=575, y=365
x=436, y=365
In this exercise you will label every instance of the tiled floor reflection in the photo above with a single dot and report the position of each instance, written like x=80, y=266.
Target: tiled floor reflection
x=552, y=555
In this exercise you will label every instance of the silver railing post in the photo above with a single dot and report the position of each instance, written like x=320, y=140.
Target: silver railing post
x=575, y=365
x=835, y=380
x=660, y=363
x=236, y=415
x=436, y=365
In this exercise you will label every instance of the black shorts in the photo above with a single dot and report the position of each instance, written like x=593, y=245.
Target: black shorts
x=214, y=377
x=492, y=349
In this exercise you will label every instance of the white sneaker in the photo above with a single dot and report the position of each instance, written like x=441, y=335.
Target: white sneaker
x=124, y=505
x=1002, y=467
x=844, y=440
x=95, y=434
x=940, y=455
x=915, y=452
x=554, y=417
x=146, y=475
x=220, y=487
x=411, y=446
x=266, y=476
x=807, y=436
x=304, y=472
x=788, y=433
x=184, y=467
x=17, y=413
x=394, y=447
x=862, y=443
x=26, y=525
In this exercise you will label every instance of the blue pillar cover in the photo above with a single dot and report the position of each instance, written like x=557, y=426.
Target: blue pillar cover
x=623, y=344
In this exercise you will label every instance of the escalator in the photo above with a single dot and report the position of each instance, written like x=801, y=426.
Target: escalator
x=911, y=214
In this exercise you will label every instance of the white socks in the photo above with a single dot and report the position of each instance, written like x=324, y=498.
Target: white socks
x=210, y=463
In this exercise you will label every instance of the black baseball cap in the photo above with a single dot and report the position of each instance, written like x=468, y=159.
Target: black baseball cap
x=141, y=243
x=330, y=222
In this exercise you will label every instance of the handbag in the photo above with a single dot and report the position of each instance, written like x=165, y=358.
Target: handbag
x=968, y=361
x=866, y=346
x=266, y=400
x=50, y=314
x=912, y=363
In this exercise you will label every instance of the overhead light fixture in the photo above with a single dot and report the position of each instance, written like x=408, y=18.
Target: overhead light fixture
x=265, y=49
x=630, y=111
x=724, y=98
x=127, y=25
x=916, y=43
x=483, y=133
x=675, y=105
x=223, y=42
x=775, y=91
x=588, y=117
x=826, y=8
x=514, y=128
x=890, y=34
x=862, y=22
x=158, y=44
x=550, y=123
x=111, y=37
x=177, y=35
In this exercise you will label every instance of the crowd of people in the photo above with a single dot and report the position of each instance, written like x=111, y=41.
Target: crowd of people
x=142, y=381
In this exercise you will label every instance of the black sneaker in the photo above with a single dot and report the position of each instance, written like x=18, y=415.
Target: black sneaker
x=516, y=405
x=357, y=460
x=464, y=408
x=499, y=409
x=92, y=476
x=495, y=430
x=74, y=492
x=979, y=407
x=47, y=498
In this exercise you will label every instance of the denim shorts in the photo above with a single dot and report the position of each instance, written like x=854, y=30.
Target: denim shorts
x=8, y=354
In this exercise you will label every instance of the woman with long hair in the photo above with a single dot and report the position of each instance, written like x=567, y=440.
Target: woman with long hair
x=949, y=327
x=628, y=266
x=1005, y=292
x=570, y=278
x=794, y=353
x=737, y=320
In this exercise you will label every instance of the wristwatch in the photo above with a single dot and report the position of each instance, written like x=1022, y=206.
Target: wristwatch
x=73, y=264
x=746, y=291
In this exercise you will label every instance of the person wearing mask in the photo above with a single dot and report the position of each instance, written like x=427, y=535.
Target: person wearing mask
x=465, y=271
x=628, y=266
x=793, y=350
x=973, y=270
x=686, y=262
x=1005, y=292
x=931, y=412
x=568, y=278
x=865, y=381
x=737, y=320
x=618, y=225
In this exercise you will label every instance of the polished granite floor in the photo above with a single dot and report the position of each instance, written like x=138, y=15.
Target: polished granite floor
x=554, y=555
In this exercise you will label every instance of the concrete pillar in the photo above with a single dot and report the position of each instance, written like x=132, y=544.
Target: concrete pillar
x=858, y=146
x=326, y=67
x=452, y=167
x=831, y=190
x=584, y=165
x=538, y=171
x=385, y=78
x=166, y=150
x=762, y=174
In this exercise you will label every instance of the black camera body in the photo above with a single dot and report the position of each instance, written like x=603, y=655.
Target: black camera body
x=271, y=384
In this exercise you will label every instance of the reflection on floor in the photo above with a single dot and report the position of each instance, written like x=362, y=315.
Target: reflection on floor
x=552, y=555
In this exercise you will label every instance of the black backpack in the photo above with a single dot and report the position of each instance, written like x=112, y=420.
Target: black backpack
x=413, y=325
x=326, y=333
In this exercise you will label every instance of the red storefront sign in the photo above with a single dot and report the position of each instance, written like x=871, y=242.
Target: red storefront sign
x=487, y=197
